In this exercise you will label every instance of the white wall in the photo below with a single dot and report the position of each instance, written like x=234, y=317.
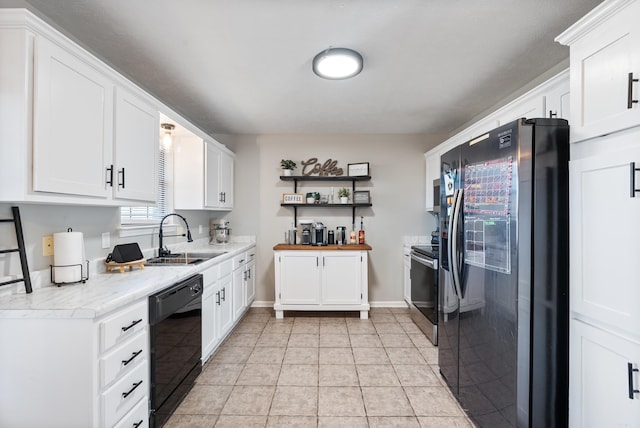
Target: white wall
x=397, y=189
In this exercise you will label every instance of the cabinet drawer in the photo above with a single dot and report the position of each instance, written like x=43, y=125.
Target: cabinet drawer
x=225, y=268
x=251, y=255
x=136, y=418
x=123, y=358
x=239, y=260
x=210, y=275
x=123, y=325
x=118, y=400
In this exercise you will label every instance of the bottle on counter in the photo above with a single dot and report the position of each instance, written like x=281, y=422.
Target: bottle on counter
x=353, y=239
x=361, y=232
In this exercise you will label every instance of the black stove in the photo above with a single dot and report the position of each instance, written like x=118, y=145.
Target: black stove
x=431, y=251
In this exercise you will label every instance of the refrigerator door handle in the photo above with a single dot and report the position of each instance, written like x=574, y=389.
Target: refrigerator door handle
x=453, y=241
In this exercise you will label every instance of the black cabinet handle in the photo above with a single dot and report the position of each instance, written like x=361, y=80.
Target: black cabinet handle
x=632, y=390
x=133, y=324
x=109, y=179
x=129, y=392
x=133, y=356
x=630, y=100
x=218, y=298
x=224, y=294
x=632, y=181
x=221, y=197
x=137, y=424
x=552, y=114
x=121, y=184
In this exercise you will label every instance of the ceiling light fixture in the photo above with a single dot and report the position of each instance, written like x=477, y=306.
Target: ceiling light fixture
x=167, y=138
x=337, y=63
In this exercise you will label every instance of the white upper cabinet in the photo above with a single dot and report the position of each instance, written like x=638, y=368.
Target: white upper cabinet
x=73, y=124
x=135, y=148
x=203, y=175
x=605, y=66
x=80, y=132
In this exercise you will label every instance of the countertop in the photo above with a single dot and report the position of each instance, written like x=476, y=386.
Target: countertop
x=349, y=247
x=105, y=292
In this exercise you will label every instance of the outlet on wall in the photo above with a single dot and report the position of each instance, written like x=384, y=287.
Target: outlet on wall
x=47, y=246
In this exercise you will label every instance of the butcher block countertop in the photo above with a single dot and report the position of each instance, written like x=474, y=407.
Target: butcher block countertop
x=348, y=247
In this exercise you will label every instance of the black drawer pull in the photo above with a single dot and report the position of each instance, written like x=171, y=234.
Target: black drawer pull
x=224, y=294
x=133, y=324
x=218, y=298
x=632, y=390
x=630, y=100
x=109, y=179
x=135, y=385
x=137, y=424
x=133, y=356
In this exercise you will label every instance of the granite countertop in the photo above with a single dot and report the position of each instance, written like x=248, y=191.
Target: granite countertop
x=349, y=247
x=105, y=292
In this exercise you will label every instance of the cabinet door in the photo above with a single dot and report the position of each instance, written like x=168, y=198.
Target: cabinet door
x=599, y=379
x=603, y=239
x=226, y=180
x=250, y=283
x=212, y=193
x=188, y=173
x=209, y=302
x=136, y=149
x=224, y=315
x=557, y=99
x=238, y=292
x=300, y=278
x=600, y=65
x=73, y=124
x=341, y=278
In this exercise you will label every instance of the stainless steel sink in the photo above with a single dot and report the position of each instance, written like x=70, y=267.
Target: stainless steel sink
x=186, y=259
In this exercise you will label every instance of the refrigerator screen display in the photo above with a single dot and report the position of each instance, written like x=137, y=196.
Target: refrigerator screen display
x=487, y=221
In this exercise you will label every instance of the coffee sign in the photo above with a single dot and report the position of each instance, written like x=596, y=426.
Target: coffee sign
x=312, y=166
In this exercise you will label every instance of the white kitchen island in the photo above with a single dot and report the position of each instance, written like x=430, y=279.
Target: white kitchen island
x=321, y=278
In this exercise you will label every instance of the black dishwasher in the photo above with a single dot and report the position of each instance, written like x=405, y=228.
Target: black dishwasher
x=175, y=321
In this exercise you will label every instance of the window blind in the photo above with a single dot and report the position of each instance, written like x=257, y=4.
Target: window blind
x=151, y=213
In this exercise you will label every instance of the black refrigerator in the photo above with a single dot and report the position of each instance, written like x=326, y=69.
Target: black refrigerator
x=504, y=275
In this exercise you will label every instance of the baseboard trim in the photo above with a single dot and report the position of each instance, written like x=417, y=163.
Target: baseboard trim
x=262, y=304
x=381, y=304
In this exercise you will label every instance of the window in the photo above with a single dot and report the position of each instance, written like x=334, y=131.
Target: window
x=152, y=214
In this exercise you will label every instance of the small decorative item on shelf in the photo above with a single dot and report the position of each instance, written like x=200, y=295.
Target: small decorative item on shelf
x=361, y=197
x=358, y=169
x=287, y=166
x=343, y=193
x=292, y=198
x=313, y=197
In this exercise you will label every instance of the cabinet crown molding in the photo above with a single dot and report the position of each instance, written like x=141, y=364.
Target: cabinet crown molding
x=583, y=26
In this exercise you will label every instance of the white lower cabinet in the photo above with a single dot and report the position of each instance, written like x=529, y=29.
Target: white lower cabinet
x=321, y=280
x=224, y=307
x=603, y=377
x=250, y=277
x=239, y=286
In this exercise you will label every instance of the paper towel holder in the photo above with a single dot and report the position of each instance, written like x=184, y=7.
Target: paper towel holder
x=81, y=266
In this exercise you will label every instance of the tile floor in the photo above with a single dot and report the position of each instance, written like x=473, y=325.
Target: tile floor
x=322, y=370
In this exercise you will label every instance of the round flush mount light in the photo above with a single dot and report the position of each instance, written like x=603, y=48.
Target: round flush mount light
x=337, y=63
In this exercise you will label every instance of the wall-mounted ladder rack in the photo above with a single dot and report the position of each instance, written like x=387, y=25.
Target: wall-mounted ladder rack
x=20, y=250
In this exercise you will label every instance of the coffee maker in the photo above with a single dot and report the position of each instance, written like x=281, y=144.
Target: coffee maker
x=318, y=234
x=306, y=229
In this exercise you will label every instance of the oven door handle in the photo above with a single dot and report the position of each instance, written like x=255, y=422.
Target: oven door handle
x=432, y=263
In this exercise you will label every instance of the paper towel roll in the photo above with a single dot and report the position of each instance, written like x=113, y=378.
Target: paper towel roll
x=68, y=256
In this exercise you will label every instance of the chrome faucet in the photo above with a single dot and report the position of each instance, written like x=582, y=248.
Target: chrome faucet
x=162, y=252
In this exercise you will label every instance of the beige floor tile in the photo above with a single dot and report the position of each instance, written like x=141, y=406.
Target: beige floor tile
x=337, y=375
x=242, y=339
x=301, y=356
x=386, y=401
x=410, y=328
x=405, y=356
x=374, y=311
x=395, y=340
x=333, y=328
x=429, y=354
x=257, y=317
x=382, y=317
x=191, y=421
x=370, y=356
x=401, y=310
x=377, y=375
x=340, y=401
x=365, y=341
x=403, y=317
x=259, y=374
x=228, y=421
x=432, y=401
x=335, y=356
x=393, y=422
x=420, y=340
x=298, y=375
x=278, y=328
x=334, y=340
x=233, y=355
x=305, y=328
x=388, y=328
x=273, y=339
x=334, y=320
x=219, y=374
x=288, y=320
x=342, y=422
x=266, y=355
x=417, y=375
x=295, y=401
x=444, y=422
x=204, y=400
x=292, y=422
x=361, y=327
x=303, y=340
x=249, y=327
x=249, y=401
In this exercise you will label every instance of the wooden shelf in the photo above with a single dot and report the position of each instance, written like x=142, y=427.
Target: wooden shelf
x=327, y=205
x=325, y=178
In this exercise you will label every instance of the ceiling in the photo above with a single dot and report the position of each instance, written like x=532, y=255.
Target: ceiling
x=244, y=66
